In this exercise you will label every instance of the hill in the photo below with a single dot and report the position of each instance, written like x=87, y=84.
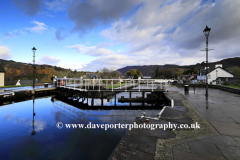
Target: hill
x=147, y=70
x=24, y=71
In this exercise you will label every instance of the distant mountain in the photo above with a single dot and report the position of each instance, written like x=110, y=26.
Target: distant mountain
x=147, y=70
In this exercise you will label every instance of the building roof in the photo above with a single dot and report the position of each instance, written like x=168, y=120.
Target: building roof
x=203, y=71
x=2, y=69
x=224, y=70
x=85, y=77
x=90, y=75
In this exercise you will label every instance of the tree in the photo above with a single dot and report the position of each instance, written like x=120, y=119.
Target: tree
x=157, y=72
x=75, y=71
x=235, y=70
x=105, y=73
x=133, y=72
x=51, y=73
x=116, y=74
x=168, y=73
x=190, y=71
x=135, y=76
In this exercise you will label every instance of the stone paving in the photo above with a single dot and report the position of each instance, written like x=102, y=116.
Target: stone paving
x=150, y=144
x=23, y=88
x=222, y=112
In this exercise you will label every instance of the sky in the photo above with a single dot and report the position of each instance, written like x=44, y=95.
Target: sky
x=88, y=35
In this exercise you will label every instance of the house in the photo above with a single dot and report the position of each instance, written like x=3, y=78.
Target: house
x=85, y=77
x=146, y=77
x=213, y=74
x=2, y=74
x=92, y=76
x=187, y=78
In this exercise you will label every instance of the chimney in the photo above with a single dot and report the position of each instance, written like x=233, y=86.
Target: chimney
x=218, y=65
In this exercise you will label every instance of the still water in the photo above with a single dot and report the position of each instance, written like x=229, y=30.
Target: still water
x=24, y=136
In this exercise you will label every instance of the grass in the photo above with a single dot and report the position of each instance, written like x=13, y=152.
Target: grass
x=116, y=85
x=238, y=87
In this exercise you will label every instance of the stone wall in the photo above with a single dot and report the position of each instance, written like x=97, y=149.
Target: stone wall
x=224, y=88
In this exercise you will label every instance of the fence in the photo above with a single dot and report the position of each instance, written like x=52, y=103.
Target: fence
x=86, y=84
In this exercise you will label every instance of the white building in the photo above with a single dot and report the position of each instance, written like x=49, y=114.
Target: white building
x=213, y=74
x=2, y=75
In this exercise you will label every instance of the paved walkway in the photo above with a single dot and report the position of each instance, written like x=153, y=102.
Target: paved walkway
x=23, y=88
x=222, y=111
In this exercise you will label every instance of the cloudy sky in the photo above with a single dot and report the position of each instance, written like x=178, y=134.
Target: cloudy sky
x=92, y=34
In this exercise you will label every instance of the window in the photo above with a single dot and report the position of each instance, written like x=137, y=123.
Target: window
x=209, y=77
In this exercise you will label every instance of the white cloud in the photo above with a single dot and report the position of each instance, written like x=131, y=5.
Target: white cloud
x=38, y=28
x=4, y=53
x=39, y=125
x=120, y=60
x=9, y=35
x=47, y=14
x=49, y=60
x=112, y=61
x=58, y=5
x=172, y=33
x=92, y=50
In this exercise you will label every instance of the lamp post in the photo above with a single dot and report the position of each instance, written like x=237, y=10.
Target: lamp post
x=34, y=50
x=206, y=32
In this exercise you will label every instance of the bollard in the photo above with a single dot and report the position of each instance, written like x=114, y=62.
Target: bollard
x=45, y=85
x=186, y=88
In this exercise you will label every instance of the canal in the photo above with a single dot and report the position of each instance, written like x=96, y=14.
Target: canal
x=28, y=129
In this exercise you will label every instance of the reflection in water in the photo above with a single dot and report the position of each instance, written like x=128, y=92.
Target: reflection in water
x=206, y=102
x=33, y=132
x=104, y=115
x=19, y=122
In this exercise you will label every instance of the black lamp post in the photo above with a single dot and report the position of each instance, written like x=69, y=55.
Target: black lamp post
x=206, y=32
x=34, y=50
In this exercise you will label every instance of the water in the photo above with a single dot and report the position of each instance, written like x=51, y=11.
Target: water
x=49, y=142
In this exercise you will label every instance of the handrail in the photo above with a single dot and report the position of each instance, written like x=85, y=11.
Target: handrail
x=80, y=84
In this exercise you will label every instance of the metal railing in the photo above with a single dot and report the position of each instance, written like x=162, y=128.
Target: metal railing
x=111, y=84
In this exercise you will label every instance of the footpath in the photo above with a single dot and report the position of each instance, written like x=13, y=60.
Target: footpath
x=217, y=138
x=222, y=112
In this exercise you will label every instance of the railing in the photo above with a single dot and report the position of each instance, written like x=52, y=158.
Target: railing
x=111, y=84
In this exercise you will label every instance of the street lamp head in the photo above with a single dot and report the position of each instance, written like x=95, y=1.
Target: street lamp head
x=206, y=31
x=34, y=49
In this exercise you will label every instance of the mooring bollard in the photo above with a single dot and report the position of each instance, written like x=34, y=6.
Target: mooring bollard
x=186, y=88
x=45, y=85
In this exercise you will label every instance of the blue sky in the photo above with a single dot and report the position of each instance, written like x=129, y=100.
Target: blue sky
x=92, y=34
